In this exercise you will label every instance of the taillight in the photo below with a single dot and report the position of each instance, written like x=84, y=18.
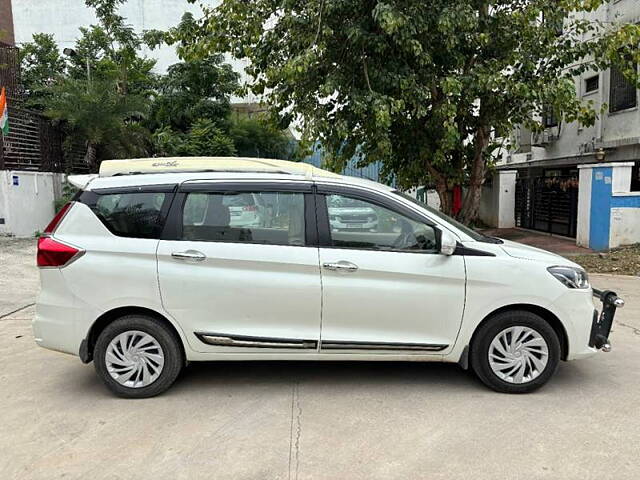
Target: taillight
x=57, y=219
x=52, y=253
x=249, y=208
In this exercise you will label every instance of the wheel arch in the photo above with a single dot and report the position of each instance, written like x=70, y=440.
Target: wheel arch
x=542, y=312
x=98, y=326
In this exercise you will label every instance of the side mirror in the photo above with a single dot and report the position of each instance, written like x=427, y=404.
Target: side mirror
x=448, y=242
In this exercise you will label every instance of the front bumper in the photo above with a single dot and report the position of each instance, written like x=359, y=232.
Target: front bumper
x=603, y=321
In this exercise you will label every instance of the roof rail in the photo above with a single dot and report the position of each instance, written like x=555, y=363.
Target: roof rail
x=110, y=168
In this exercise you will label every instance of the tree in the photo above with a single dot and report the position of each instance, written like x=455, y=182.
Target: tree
x=105, y=120
x=204, y=139
x=111, y=50
x=193, y=90
x=41, y=67
x=100, y=93
x=193, y=101
x=426, y=86
x=258, y=137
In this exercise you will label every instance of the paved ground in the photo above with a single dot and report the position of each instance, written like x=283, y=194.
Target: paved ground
x=553, y=243
x=311, y=420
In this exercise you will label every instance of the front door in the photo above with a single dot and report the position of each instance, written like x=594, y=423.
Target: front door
x=386, y=287
x=239, y=271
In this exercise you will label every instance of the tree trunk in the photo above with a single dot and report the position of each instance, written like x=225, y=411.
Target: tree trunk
x=471, y=203
x=446, y=197
x=90, y=156
x=442, y=187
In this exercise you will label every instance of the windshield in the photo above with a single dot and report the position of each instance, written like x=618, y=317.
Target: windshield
x=477, y=236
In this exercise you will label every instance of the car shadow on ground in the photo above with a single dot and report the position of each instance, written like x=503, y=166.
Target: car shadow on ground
x=380, y=375
x=208, y=377
x=334, y=372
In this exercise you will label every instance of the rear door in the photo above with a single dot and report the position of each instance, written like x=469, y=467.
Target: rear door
x=386, y=287
x=235, y=282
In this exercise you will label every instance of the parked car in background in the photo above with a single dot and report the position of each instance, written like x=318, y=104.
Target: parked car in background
x=351, y=214
x=248, y=210
x=144, y=273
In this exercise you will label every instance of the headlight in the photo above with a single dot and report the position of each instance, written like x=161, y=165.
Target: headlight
x=571, y=277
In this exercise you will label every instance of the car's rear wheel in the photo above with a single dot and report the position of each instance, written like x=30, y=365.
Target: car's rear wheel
x=137, y=357
x=515, y=352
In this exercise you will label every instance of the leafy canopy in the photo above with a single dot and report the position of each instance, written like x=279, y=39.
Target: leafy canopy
x=426, y=86
x=42, y=65
x=101, y=117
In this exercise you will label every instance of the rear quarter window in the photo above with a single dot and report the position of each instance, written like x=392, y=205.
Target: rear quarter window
x=137, y=215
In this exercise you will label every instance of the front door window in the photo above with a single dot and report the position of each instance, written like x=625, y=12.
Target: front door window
x=359, y=224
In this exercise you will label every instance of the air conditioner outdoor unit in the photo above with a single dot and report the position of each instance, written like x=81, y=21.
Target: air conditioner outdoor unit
x=542, y=139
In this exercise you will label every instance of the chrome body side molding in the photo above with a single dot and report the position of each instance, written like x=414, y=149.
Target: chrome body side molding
x=225, y=340
x=348, y=345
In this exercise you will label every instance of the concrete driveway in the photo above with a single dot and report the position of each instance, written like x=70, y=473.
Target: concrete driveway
x=311, y=420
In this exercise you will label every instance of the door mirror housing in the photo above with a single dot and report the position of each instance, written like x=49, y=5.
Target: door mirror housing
x=448, y=242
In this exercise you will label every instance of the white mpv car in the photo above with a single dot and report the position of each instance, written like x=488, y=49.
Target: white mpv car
x=148, y=269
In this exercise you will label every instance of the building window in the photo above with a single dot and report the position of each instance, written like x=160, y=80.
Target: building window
x=592, y=84
x=635, y=178
x=622, y=95
x=549, y=118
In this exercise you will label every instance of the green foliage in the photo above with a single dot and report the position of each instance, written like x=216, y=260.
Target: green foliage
x=422, y=85
x=193, y=98
x=97, y=114
x=68, y=192
x=204, y=139
x=101, y=93
x=192, y=90
x=42, y=66
x=111, y=49
x=185, y=36
x=257, y=137
x=107, y=98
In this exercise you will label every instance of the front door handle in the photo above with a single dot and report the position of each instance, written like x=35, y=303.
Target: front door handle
x=189, y=255
x=341, y=266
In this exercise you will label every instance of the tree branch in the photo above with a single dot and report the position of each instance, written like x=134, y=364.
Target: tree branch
x=366, y=70
x=315, y=41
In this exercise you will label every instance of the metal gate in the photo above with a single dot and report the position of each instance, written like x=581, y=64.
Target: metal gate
x=548, y=204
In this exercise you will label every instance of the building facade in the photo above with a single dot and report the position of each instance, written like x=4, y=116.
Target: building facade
x=549, y=177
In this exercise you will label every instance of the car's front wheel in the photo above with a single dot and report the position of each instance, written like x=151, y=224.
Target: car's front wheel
x=137, y=357
x=515, y=352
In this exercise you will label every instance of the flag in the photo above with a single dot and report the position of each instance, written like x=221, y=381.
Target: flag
x=4, y=113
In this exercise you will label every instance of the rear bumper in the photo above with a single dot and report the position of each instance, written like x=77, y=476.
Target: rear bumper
x=53, y=330
x=54, y=325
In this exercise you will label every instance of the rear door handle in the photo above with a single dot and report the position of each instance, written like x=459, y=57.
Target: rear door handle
x=341, y=266
x=189, y=255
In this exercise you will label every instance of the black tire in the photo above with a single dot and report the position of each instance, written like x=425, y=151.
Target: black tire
x=488, y=331
x=173, y=357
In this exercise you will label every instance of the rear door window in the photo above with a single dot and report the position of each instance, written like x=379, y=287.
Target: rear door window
x=274, y=218
x=137, y=215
